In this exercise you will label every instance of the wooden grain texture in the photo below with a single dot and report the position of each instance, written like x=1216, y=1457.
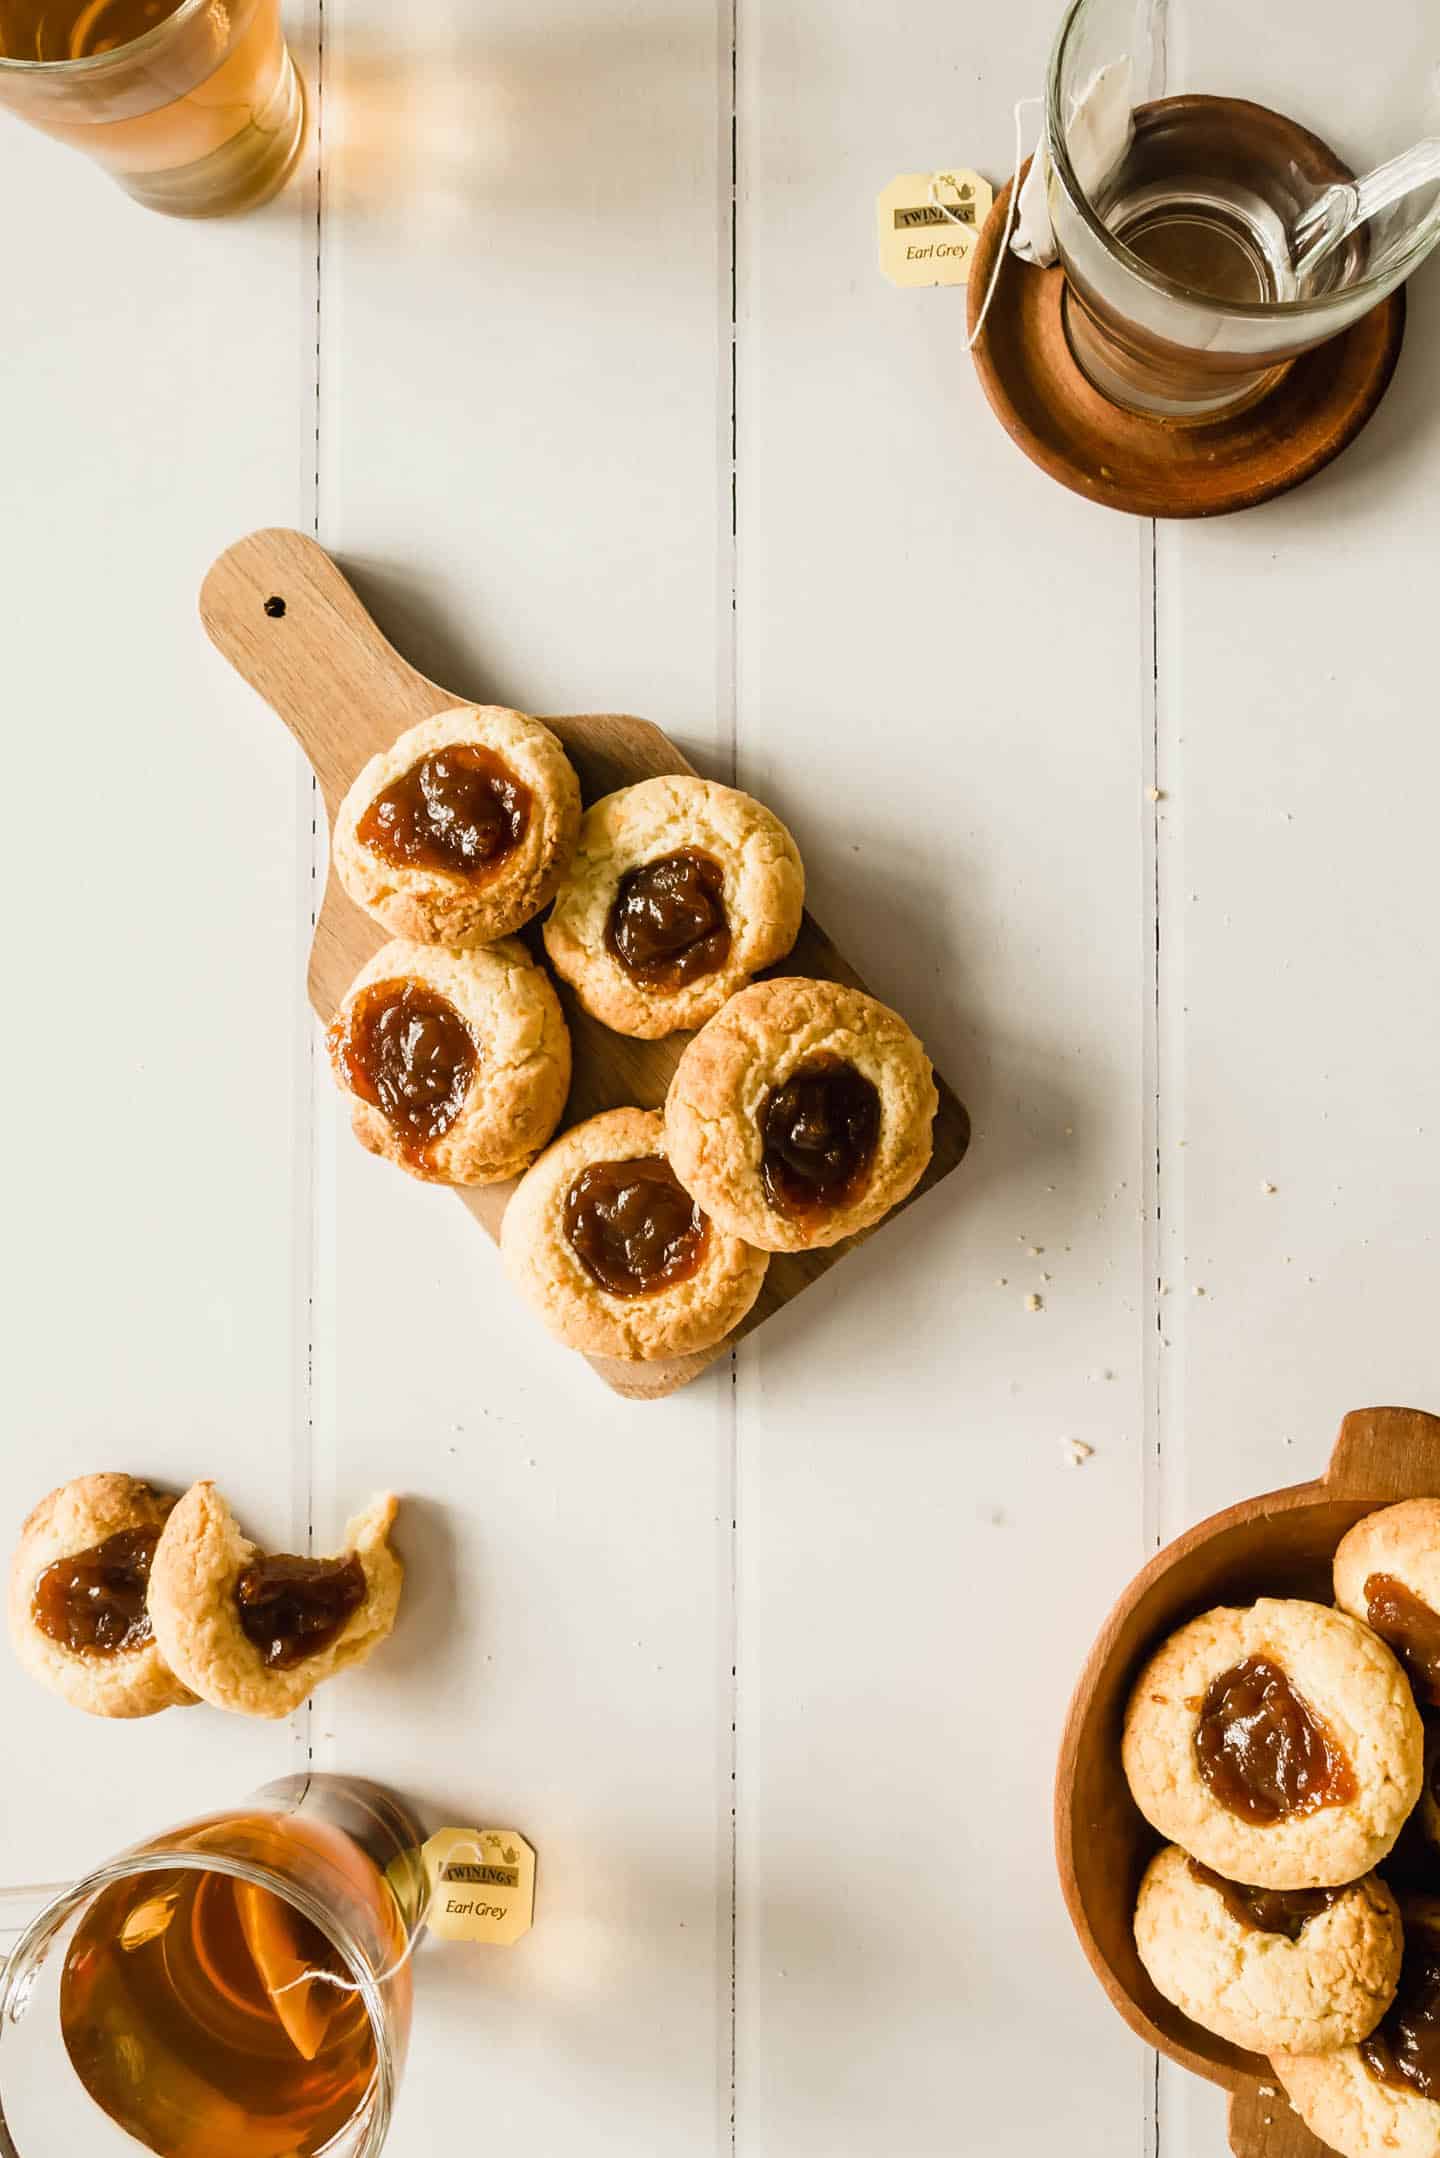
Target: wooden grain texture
x=1156, y=467
x=1280, y=1544
x=286, y=618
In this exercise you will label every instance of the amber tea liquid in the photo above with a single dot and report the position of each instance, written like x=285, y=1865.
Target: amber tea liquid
x=210, y=2019
x=208, y=122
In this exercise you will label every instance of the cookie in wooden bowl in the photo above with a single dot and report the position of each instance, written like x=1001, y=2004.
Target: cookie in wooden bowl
x=79, y=1613
x=1387, y=1572
x=614, y=1254
x=1278, y=1745
x=460, y=832
x=1275, y=1970
x=1381, y=2098
x=679, y=892
x=800, y=1114
x=456, y=1061
x=256, y=1632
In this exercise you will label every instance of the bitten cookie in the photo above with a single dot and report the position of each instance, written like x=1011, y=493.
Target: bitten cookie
x=1297, y=1971
x=1387, y=1572
x=1278, y=1744
x=460, y=832
x=800, y=1114
x=614, y=1255
x=680, y=890
x=1381, y=2099
x=457, y=1063
x=257, y=1633
x=78, y=1613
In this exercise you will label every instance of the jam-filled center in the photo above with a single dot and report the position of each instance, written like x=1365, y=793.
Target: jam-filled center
x=818, y=1134
x=404, y=1048
x=291, y=1608
x=93, y=1602
x=1263, y=1751
x=633, y=1227
x=460, y=810
x=1405, y=2049
x=1268, y=1910
x=667, y=925
x=1411, y=1628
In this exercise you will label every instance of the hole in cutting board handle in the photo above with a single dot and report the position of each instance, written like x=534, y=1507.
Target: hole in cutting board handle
x=275, y=607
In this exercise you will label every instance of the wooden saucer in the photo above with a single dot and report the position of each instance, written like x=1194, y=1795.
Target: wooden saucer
x=1156, y=467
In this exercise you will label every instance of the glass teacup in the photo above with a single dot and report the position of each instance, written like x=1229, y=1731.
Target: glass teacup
x=1198, y=186
x=240, y=1984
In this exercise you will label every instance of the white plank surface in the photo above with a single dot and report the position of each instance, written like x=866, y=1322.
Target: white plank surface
x=772, y=1673
x=160, y=396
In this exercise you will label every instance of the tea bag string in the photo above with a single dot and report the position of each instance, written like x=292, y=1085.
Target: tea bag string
x=1010, y=210
x=348, y=1985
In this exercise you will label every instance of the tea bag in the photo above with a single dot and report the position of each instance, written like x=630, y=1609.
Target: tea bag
x=1098, y=139
x=294, y=1963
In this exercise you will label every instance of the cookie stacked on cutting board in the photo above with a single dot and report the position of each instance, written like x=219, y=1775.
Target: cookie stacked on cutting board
x=1289, y=1753
x=799, y=1113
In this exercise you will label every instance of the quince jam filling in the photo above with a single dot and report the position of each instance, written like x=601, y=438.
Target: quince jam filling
x=632, y=1226
x=1268, y=1910
x=460, y=811
x=1263, y=1751
x=818, y=1135
x=667, y=926
x=405, y=1049
x=291, y=1608
x=93, y=1603
x=1410, y=1628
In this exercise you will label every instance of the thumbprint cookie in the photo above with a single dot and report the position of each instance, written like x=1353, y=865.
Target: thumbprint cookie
x=256, y=1632
x=79, y=1613
x=1387, y=1572
x=800, y=1114
x=1278, y=1745
x=615, y=1255
x=1381, y=2098
x=457, y=1062
x=1276, y=1970
x=460, y=832
x=680, y=890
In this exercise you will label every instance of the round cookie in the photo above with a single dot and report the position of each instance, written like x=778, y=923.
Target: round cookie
x=1381, y=2098
x=1297, y=1973
x=457, y=1062
x=1387, y=1572
x=461, y=830
x=87, y=1635
x=624, y=1264
x=680, y=890
x=800, y=1114
x=219, y=1606
x=1308, y=1718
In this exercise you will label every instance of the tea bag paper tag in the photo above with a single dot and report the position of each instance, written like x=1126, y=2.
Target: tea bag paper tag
x=929, y=226
x=482, y=1885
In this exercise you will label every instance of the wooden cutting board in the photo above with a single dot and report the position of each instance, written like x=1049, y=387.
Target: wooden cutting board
x=284, y=616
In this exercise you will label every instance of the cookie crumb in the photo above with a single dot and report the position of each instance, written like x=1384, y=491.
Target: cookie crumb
x=1076, y=1453
x=1197, y=1290
x=1034, y=1303
x=1268, y=1190
x=1035, y=1251
x=1155, y=794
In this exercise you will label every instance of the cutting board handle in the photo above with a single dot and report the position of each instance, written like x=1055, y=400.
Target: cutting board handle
x=285, y=618
x=1386, y=1454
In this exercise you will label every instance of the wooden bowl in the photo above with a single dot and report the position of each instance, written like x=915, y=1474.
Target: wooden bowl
x=1279, y=1545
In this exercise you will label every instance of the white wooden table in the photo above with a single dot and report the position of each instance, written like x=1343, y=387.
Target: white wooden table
x=771, y=1672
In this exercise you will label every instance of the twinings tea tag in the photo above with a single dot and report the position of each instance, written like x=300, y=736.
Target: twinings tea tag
x=482, y=1884
x=930, y=226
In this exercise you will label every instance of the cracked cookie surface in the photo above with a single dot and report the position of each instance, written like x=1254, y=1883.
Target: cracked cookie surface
x=719, y=1276
x=428, y=900
x=1345, y=1676
x=760, y=894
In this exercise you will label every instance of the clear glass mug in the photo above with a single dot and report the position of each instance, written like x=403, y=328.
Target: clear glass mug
x=240, y=1984
x=198, y=112
x=1192, y=280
